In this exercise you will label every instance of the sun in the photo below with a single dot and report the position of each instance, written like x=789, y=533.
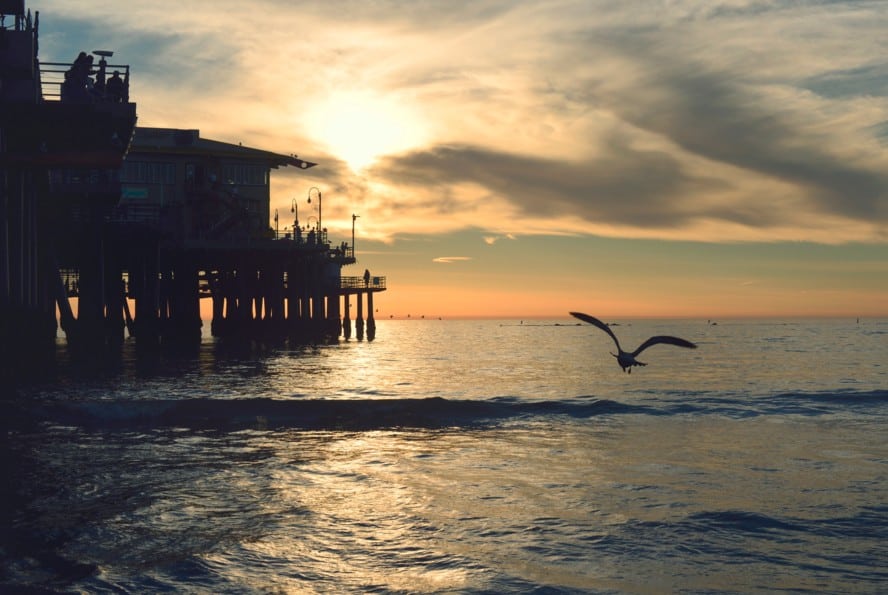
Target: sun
x=361, y=126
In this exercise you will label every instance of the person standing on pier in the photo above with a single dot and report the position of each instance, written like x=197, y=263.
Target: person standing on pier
x=114, y=88
x=366, y=277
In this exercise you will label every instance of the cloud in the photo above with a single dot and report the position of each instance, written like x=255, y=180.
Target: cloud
x=686, y=126
x=627, y=186
x=491, y=240
x=714, y=118
x=451, y=259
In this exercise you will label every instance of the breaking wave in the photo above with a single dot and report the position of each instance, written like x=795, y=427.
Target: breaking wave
x=315, y=414
x=435, y=412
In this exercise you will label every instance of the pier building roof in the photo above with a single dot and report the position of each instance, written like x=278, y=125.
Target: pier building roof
x=189, y=141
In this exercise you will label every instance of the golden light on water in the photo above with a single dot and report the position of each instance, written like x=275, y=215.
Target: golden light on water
x=365, y=513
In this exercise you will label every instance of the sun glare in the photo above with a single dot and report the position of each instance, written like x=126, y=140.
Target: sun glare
x=359, y=127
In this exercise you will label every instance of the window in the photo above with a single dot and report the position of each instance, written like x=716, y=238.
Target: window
x=246, y=175
x=148, y=172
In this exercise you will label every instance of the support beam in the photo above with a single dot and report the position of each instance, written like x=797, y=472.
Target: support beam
x=360, y=319
x=371, y=322
x=346, y=320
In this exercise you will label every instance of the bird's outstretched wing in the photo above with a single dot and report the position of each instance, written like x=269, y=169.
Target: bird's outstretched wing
x=594, y=321
x=678, y=342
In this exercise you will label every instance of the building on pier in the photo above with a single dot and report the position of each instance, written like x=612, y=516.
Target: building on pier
x=193, y=222
x=191, y=187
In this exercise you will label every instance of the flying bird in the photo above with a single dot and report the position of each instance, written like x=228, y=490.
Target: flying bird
x=625, y=359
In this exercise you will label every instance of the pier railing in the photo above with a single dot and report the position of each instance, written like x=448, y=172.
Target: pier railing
x=303, y=237
x=70, y=277
x=52, y=77
x=359, y=283
x=342, y=250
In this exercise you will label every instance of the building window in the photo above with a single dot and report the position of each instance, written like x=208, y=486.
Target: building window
x=148, y=172
x=246, y=175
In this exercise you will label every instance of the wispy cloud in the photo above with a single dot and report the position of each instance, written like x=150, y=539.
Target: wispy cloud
x=451, y=259
x=491, y=240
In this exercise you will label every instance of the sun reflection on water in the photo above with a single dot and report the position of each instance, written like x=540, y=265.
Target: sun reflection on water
x=393, y=510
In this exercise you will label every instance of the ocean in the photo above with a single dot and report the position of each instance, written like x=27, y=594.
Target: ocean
x=463, y=456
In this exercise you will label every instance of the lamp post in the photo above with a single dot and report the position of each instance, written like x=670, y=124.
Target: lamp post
x=319, y=204
x=275, y=224
x=353, y=233
x=294, y=208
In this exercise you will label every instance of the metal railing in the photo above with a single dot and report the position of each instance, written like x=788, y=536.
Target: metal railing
x=52, y=78
x=360, y=283
x=312, y=236
x=342, y=250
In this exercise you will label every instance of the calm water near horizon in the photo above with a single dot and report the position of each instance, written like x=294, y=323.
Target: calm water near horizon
x=458, y=456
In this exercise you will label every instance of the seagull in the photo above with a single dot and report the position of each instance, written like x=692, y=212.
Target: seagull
x=627, y=360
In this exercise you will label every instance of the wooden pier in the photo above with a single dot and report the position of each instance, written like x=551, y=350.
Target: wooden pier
x=110, y=230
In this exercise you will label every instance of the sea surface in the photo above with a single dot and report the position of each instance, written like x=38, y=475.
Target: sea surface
x=496, y=456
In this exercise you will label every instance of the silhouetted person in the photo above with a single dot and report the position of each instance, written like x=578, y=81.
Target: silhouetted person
x=75, y=89
x=85, y=71
x=81, y=68
x=114, y=88
x=367, y=278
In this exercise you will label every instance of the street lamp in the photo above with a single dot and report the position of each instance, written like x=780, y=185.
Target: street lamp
x=319, y=204
x=353, y=233
x=275, y=224
x=294, y=208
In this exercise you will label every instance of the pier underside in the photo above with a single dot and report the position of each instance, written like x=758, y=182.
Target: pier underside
x=270, y=290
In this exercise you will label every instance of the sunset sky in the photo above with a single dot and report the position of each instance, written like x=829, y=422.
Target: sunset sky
x=526, y=158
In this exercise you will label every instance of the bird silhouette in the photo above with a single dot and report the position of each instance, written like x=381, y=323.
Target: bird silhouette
x=625, y=359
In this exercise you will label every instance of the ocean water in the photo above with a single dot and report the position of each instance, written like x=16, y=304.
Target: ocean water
x=458, y=457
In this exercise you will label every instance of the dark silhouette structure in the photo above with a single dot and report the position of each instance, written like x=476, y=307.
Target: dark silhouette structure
x=124, y=230
x=59, y=164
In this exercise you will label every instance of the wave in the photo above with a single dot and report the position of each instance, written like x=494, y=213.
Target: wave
x=433, y=412
x=786, y=403
x=314, y=414
x=868, y=523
